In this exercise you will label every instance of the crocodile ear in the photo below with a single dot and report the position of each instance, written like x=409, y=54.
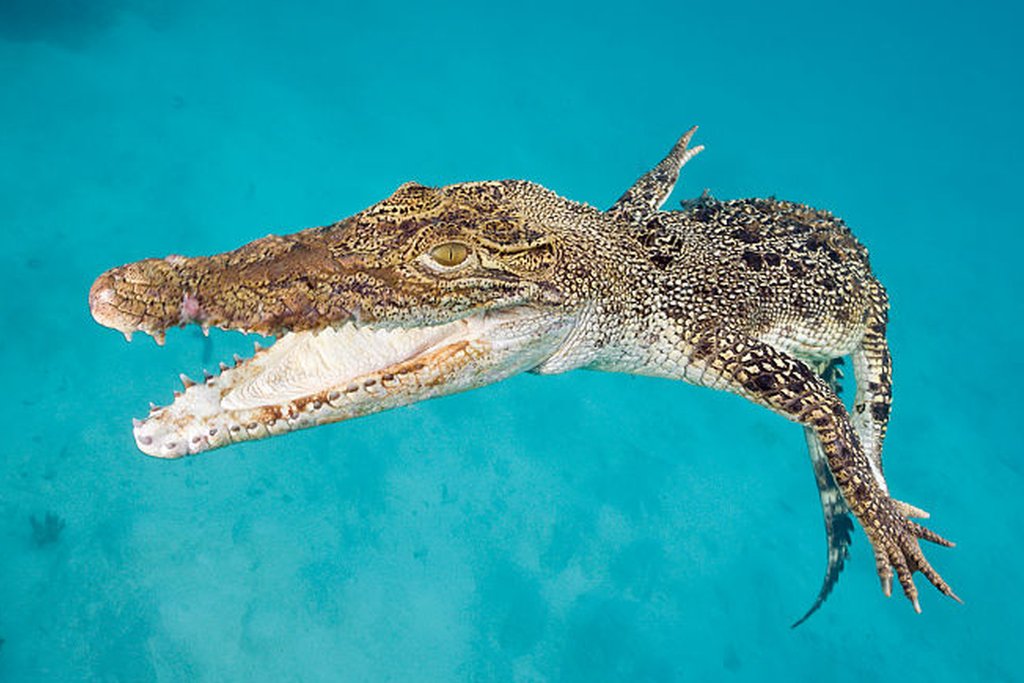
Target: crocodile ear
x=651, y=190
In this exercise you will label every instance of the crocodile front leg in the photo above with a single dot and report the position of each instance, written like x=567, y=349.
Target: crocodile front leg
x=740, y=364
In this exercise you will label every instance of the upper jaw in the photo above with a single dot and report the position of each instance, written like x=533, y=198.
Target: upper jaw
x=154, y=295
x=253, y=290
x=270, y=285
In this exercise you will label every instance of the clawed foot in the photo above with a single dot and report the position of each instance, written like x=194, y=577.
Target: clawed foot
x=894, y=538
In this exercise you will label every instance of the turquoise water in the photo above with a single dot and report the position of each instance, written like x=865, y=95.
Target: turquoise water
x=585, y=527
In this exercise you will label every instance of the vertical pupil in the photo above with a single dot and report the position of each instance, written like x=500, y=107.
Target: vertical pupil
x=450, y=254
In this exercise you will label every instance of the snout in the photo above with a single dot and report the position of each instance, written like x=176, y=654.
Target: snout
x=145, y=295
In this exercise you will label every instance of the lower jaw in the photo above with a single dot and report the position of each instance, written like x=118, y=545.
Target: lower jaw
x=235, y=406
x=172, y=433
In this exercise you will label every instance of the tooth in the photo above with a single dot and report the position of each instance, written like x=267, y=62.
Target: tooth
x=136, y=422
x=207, y=375
x=159, y=337
x=238, y=360
x=206, y=330
x=223, y=366
x=127, y=336
x=186, y=381
x=177, y=394
x=256, y=347
x=153, y=407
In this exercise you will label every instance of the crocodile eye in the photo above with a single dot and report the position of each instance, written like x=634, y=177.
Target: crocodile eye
x=449, y=254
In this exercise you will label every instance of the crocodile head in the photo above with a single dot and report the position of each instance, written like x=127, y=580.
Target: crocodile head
x=429, y=292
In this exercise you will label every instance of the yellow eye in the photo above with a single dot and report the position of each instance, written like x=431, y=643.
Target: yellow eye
x=450, y=253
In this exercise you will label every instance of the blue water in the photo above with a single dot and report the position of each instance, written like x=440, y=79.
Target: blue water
x=585, y=527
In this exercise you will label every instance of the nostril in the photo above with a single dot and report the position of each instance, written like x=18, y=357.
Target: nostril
x=191, y=308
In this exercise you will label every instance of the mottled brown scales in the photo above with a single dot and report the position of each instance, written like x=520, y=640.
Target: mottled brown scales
x=439, y=290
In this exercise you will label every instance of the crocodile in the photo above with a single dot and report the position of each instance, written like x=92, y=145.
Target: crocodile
x=437, y=290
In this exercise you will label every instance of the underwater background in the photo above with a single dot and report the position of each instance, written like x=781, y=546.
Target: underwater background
x=584, y=527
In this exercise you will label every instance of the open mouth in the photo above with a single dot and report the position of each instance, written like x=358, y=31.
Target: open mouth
x=310, y=378
x=316, y=377
x=329, y=362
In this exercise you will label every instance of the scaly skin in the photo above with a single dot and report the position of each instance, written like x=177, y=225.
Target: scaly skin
x=439, y=290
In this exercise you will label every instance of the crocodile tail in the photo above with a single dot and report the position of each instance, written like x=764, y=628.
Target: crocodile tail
x=838, y=524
